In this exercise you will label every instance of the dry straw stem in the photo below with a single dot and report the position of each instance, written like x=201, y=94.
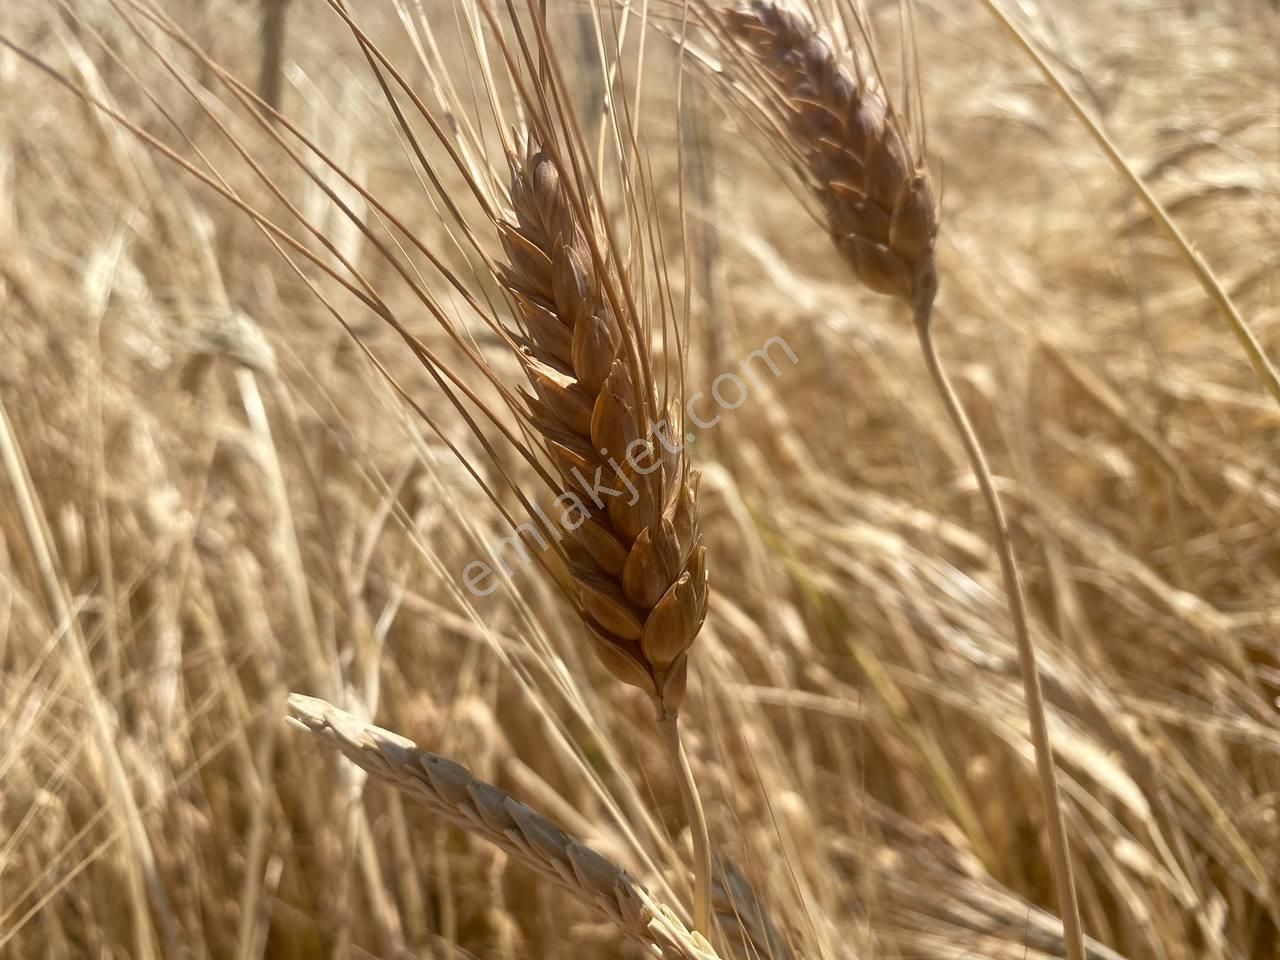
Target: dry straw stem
x=856, y=152
x=1055, y=824
x=449, y=789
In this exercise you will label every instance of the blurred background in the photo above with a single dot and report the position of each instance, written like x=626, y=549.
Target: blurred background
x=209, y=498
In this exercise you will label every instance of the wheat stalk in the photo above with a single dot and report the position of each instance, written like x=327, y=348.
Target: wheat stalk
x=449, y=790
x=856, y=154
x=271, y=64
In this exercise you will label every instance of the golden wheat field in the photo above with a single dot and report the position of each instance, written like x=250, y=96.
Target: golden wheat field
x=314, y=313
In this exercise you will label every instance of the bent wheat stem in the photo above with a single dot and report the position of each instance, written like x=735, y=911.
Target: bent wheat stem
x=669, y=727
x=1064, y=879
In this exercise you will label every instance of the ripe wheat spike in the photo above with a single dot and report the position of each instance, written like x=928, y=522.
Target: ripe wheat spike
x=639, y=578
x=637, y=567
x=849, y=144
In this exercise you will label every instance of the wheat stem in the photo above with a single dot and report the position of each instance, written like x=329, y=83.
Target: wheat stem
x=692, y=801
x=1060, y=854
x=271, y=66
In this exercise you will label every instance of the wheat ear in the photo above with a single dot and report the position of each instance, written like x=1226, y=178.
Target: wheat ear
x=449, y=790
x=855, y=152
x=739, y=909
x=850, y=147
x=637, y=566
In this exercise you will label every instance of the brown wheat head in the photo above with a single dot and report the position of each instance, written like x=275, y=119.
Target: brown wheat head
x=851, y=146
x=634, y=553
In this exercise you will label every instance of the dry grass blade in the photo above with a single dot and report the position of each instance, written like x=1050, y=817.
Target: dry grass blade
x=450, y=790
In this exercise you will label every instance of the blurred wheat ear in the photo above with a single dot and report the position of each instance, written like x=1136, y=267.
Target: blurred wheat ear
x=824, y=101
x=449, y=790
